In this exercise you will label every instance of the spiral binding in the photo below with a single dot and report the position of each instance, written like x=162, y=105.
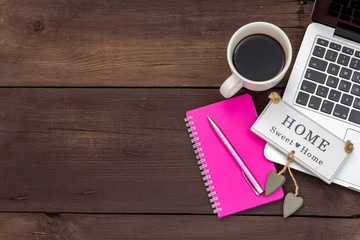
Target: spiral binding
x=203, y=166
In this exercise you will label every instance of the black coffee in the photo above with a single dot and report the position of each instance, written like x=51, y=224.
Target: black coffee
x=259, y=57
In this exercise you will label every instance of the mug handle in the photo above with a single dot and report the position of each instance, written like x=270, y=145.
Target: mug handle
x=231, y=86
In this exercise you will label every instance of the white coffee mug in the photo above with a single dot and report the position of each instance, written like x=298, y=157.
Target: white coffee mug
x=236, y=81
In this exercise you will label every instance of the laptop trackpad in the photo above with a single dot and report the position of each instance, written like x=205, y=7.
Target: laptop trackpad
x=350, y=171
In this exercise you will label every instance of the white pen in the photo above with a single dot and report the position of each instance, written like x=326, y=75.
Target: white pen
x=249, y=177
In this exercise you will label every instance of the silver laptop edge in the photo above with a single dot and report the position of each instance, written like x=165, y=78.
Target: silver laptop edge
x=347, y=176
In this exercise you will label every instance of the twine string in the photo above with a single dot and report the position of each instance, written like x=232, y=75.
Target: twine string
x=348, y=146
x=290, y=159
x=274, y=97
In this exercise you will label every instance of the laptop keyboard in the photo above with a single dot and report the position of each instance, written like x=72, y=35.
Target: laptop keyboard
x=331, y=81
x=347, y=10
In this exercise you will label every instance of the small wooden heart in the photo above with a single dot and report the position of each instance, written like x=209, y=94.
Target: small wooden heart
x=273, y=183
x=291, y=204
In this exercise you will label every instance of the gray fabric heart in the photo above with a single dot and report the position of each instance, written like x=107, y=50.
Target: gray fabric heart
x=291, y=204
x=273, y=183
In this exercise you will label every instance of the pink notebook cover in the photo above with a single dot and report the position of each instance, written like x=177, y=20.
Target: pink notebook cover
x=230, y=191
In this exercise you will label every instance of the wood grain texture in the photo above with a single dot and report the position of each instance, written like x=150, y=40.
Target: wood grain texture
x=100, y=226
x=111, y=158
x=119, y=151
x=131, y=43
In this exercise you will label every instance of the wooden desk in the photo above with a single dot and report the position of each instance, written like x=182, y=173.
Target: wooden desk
x=93, y=143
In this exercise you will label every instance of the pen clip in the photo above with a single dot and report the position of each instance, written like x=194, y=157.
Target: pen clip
x=257, y=194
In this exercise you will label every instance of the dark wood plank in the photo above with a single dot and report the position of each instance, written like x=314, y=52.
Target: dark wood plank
x=131, y=43
x=119, y=150
x=90, y=227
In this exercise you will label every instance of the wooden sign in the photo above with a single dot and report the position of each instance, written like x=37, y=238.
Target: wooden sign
x=316, y=148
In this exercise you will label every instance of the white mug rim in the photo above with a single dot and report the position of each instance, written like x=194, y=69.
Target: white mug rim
x=287, y=52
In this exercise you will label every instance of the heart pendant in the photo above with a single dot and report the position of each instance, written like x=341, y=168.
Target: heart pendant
x=291, y=204
x=273, y=183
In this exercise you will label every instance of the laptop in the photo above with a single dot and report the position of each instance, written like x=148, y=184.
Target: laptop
x=325, y=81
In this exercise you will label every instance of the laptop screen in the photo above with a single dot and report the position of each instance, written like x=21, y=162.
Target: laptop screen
x=338, y=13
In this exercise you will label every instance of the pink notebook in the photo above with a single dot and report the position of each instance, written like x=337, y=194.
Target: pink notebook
x=227, y=187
